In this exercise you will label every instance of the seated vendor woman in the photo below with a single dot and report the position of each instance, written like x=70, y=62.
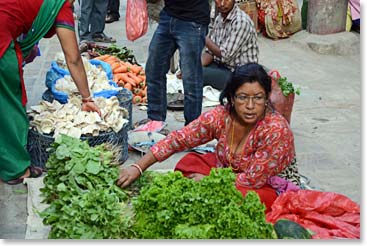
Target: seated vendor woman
x=253, y=139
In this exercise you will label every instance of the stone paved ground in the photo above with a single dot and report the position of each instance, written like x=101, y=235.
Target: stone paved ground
x=326, y=117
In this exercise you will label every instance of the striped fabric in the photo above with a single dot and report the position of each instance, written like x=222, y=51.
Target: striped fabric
x=237, y=38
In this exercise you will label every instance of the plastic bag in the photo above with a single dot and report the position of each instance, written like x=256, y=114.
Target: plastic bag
x=327, y=214
x=282, y=104
x=56, y=72
x=151, y=126
x=136, y=19
x=62, y=97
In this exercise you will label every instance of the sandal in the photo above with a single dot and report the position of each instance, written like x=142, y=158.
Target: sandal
x=103, y=38
x=34, y=172
x=177, y=104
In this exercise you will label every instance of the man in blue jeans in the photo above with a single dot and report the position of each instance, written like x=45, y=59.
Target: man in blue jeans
x=183, y=25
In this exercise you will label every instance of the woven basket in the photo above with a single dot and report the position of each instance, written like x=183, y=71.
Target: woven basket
x=38, y=144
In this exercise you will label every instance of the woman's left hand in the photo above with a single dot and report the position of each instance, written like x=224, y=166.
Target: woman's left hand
x=196, y=176
x=91, y=106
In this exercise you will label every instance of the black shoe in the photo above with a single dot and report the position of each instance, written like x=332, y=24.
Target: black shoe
x=110, y=19
x=103, y=38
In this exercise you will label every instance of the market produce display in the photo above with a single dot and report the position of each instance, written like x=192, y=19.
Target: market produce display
x=97, y=74
x=84, y=201
x=128, y=75
x=123, y=53
x=176, y=207
x=56, y=118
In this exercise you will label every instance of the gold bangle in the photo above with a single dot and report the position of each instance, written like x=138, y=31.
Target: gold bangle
x=138, y=167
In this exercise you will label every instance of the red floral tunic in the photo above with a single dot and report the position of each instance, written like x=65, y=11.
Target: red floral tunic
x=268, y=151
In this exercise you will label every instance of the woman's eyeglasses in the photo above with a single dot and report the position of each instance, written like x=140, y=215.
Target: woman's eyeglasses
x=242, y=99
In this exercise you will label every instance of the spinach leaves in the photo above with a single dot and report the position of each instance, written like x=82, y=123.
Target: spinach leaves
x=84, y=201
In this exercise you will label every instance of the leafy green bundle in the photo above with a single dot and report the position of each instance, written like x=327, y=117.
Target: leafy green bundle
x=123, y=53
x=80, y=188
x=287, y=87
x=175, y=207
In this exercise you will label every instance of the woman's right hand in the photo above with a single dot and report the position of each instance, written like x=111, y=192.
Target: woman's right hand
x=90, y=106
x=127, y=176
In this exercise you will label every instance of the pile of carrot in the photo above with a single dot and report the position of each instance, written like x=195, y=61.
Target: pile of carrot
x=129, y=76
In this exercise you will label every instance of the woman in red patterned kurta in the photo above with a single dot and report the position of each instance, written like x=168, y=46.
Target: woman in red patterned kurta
x=253, y=139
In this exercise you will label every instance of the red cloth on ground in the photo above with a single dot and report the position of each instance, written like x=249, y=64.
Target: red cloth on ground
x=329, y=215
x=203, y=163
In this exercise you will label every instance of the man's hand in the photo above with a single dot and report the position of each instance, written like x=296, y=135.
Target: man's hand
x=206, y=59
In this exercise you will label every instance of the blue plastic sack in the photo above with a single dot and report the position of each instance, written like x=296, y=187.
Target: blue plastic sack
x=107, y=93
x=106, y=67
x=56, y=72
x=62, y=97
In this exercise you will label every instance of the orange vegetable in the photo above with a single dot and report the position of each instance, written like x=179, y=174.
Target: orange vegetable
x=142, y=76
x=134, y=77
x=138, y=92
x=144, y=100
x=114, y=66
x=110, y=60
x=127, y=79
x=102, y=57
x=135, y=69
x=117, y=77
x=121, y=83
x=137, y=99
x=142, y=84
x=128, y=86
x=120, y=69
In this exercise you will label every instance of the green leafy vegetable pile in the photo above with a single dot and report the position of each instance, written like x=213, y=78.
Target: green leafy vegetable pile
x=175, y=207
x=84, y=201
x=287, y=87
x=123, y=53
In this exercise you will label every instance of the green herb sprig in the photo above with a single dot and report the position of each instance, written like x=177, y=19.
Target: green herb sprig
x=287, y=87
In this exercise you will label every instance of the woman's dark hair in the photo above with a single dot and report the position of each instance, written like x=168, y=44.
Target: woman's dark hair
x=249, y=73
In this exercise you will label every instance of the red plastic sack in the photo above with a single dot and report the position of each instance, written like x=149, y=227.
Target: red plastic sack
x=282, y=104
x=329, y=215
x=136, y=19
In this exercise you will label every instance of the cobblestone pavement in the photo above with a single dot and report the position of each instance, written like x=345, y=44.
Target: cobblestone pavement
x=326, y=117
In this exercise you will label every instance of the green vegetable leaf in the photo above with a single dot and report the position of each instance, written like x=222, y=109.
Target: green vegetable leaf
x=93, y=167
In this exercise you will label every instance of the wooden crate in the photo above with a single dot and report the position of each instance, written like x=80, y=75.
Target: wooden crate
x=250, y=8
